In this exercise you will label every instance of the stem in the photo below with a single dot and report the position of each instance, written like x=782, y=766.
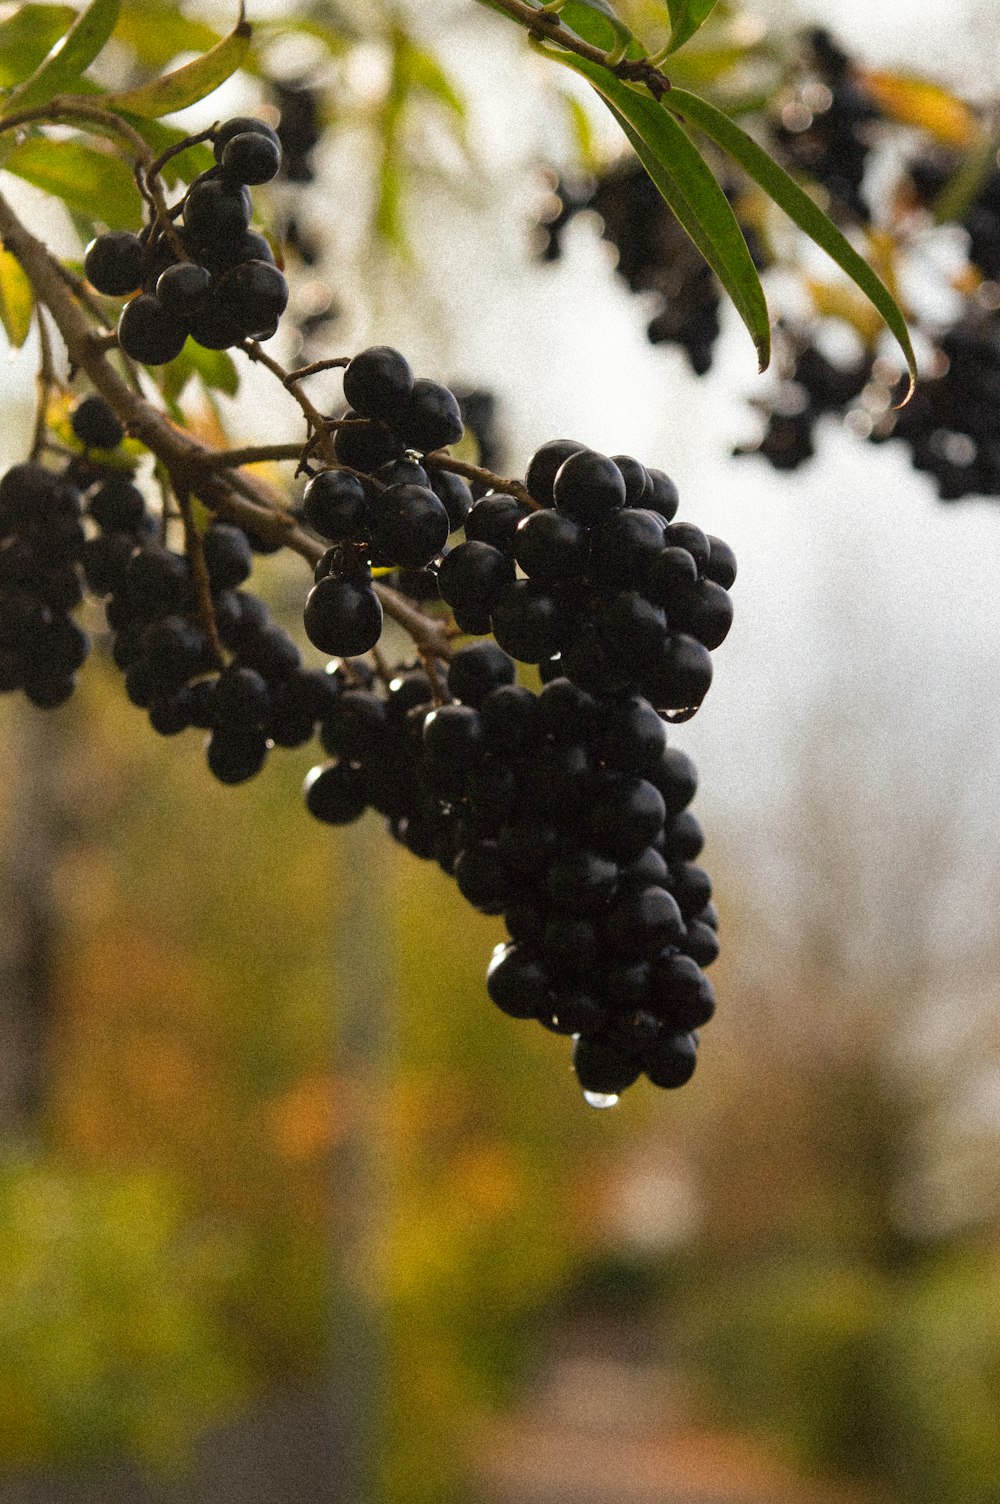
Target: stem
x=440, y=460
x=545, y=23
x=199, y=574
x=47, y=380
x=189, y=462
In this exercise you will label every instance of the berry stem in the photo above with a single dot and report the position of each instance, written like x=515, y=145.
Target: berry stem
x=546, y=25
x=441, y=460
x=189, y=462
x=47, y=381
x=199, y=573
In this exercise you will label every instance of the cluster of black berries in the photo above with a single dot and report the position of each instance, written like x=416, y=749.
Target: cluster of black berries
x=385, y=509
x=814, y=387
x=567, y=813
x=247, y=689
x=825, y=130
x=214, y=278
x=613, y=594
x=654, y=255
x=930, y=173
x=299, y=130
x=950, y=424
x=41, y=543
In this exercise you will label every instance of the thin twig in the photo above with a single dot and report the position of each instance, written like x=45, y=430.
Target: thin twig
x=238, y=497
x=199, y=573
x=441, y=460
x=546, y=25
x=47, y=380
x=316, y=367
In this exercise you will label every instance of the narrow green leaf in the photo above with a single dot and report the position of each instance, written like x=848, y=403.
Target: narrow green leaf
x=596, y=22
x=689, y=188
x=157, y=33
x=90, y=182
x=797, y=204
x=28, y=36
x=187, y=85
x=686, y=17
x=215, y=368
x=427, y=73
x=17, y=301
x=66, y=63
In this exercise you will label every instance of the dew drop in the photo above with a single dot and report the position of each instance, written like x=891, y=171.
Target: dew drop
x=675, y=717
x=600, y=1099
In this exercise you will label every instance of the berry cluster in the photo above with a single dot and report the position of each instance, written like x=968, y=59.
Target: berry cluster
x=654, y=255
x=385, y=509
x=567, y=813
x=813, y=388
x=41, y=542
x=615, y=595
x=213, y=278
x=950, y=424
x=825, y=130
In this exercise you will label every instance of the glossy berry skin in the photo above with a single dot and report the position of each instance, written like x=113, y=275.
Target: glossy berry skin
x=527, y=622
x=148, y=333
x=477, y=671
x=378, y=383
x=661, y=494
x=342, y=619
x=670, y=1063
x=114, y=263
x=637, y=482
x=543, y=466
x=255, y=293
x=212, y=326
x=517, y=984
x=495, y=520
x=251, y=157
x=96, y=425
x=365, y=445
x=236, y=755
x=588, y=487
x=548, y=545
x=334, y=503
x=215, y=210
x=604, y=1066
x=721, y=566
x=409, y=525
x=431, y=418
x=181, y=287
x=239, y=125
x=472, y=576
x=454, y=492
x=335, y=793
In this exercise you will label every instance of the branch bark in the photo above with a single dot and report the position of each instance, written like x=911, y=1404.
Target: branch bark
x=193, y=465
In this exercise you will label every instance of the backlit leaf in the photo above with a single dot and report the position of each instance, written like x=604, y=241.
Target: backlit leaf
x=190, y=83
x=28, y=36
x=17, y=300
x=90, y=182
x=917, y=101
x=63, y=67
x=686, y=16
x=797, y=204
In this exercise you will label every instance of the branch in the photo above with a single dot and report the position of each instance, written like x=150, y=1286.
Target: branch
x=547, y=25
x=441, y=460
x=190, y=463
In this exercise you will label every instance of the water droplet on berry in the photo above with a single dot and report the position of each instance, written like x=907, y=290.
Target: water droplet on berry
x=675, y=717
x=600, y=1099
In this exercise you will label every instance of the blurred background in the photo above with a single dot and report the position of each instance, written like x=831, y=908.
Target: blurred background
x=286, y=1206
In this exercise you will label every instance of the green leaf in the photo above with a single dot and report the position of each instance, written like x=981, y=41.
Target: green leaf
x=65, y=64
x=427, y=73
x=215, y=368
x=686, y=16
x=187, y=85
x=157, y=33
x=90, y=182
x=17, y=301
x=687, y=185
x=799, y=207
x=28, y=36
x=596, y=22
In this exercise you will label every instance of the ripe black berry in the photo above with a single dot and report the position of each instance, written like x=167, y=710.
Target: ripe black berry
x=114, y=263
x=148, y=333
x=341, y=618
x=96, y=425
x=378, y=383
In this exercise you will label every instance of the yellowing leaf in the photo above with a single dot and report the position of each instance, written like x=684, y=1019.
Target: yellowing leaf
x=17, y=301
x=837, y=300
x=916, y=101
x=186, y=85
